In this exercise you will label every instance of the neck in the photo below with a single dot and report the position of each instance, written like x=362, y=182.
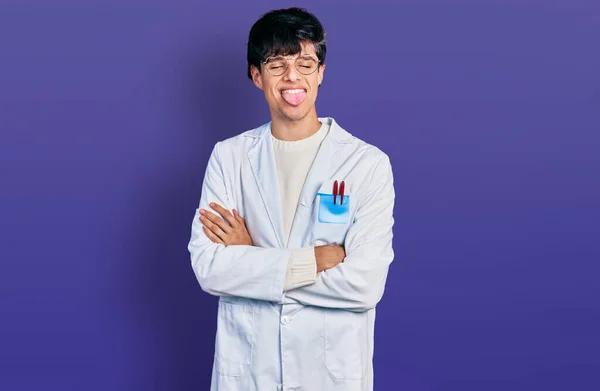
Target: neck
x=290, y=130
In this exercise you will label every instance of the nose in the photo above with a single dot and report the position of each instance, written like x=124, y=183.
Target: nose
x=291, y=74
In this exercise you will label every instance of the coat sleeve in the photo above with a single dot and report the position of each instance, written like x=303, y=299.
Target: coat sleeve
x=236, y=270
x=358, y=283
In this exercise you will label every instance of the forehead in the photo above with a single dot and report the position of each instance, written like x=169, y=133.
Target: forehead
x=286, y=50
x=308, y=48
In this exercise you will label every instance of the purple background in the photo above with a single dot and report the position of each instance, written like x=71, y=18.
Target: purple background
x=489, y=110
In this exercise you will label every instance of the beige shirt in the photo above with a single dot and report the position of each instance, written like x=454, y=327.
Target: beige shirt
x=294, y=160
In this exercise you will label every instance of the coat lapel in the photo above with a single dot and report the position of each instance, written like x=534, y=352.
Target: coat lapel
x=264, y=169
x=320, y=170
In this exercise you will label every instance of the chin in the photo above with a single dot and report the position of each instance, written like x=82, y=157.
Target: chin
x=293, y=115
x=296, y=113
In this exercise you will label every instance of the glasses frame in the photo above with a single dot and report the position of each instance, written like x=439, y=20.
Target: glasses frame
x=287, y=65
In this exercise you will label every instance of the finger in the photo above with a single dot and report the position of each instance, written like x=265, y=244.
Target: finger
x=213, y=227
x=239, y=218
x=215, y=220
x=216, y=232
x=214, y=238
x=224, y=212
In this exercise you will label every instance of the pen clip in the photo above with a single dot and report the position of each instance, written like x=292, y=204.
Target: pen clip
x=335, y=191
x=342, y=193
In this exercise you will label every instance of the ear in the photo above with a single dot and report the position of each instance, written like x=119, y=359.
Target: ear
x=321, y=71
x=256, y=77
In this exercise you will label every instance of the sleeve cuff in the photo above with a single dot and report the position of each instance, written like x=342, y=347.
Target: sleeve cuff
x=301, y=269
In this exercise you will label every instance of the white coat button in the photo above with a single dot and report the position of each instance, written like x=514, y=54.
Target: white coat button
x=279, y=387
x=285, y=320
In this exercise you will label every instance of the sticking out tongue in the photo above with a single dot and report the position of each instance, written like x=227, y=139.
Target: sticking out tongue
x=294, y=99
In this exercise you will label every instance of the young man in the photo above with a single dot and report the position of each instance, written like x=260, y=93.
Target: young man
x=300, y=274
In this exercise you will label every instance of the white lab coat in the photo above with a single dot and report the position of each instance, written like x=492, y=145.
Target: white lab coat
x=314, y=338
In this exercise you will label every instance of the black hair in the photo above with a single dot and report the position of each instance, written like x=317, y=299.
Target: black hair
x=281, y=32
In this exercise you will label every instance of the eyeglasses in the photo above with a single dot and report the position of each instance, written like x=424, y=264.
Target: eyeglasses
x=277, y=66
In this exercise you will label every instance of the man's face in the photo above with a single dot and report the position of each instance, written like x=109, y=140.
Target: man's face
x=292, y=95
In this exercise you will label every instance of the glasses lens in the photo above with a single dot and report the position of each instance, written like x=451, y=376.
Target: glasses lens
x=306, y=65
x=276, y=66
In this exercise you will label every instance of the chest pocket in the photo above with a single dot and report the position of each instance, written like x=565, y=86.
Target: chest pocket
x=332, y=214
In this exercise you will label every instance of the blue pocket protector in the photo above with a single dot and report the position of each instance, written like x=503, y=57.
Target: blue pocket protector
x=329, y=212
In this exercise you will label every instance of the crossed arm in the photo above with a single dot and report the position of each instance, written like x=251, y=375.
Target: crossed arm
x=229, y=229
x=226, y=262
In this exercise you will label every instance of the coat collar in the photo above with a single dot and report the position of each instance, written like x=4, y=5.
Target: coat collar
x=336, y=132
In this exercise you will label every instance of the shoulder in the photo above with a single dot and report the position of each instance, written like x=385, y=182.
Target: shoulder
x=240, y=143
x=359, y=149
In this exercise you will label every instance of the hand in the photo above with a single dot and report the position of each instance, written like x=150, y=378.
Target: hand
x=329, y=256
x=230, y=231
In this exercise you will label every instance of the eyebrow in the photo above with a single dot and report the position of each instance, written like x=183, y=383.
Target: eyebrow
x=300, y=55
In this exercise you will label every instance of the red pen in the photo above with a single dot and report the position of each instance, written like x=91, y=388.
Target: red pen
x=342, y=193
x=335, y=191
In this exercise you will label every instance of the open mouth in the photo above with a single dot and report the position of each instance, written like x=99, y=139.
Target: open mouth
x=294, y=96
